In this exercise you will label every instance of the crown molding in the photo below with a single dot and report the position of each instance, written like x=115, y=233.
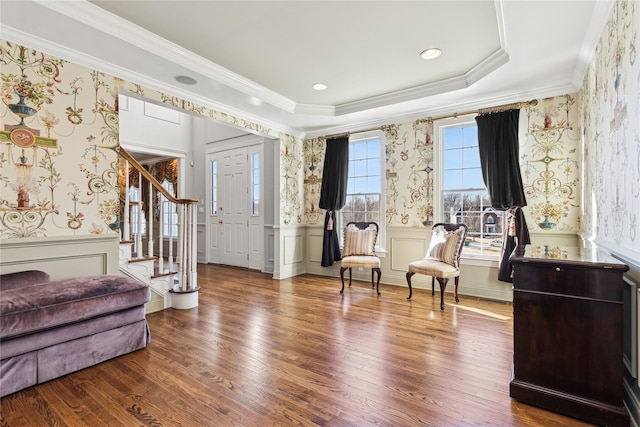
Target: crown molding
x=108, y=23
x=74, y=56
x=483, y=69
x=596, y=25
x=316, y=110
x=461, y=108
x=502, y=34
x=111, y=24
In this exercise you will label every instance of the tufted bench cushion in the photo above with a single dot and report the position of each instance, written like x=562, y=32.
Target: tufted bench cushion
x=46, y=305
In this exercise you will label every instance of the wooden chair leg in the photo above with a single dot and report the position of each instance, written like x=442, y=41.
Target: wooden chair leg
x=443, y=286
x=342, y=269
x=377, y=270
x=433, y=289
x=455, y=288
x=409, y=274
x=373, y=283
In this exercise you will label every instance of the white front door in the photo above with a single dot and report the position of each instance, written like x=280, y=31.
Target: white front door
x=228, y=207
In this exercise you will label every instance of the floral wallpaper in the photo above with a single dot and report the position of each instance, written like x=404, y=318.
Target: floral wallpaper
x=409, y=173
x=549, y=161
x=610, y=118
x=59, y=142
x=290, y=181
x=550, y=164
x=50, y=108
x=314, y=150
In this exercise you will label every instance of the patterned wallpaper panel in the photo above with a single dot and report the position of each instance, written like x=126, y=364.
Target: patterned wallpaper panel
x=550, y=164
x=549, y=160
x=610, y=117
x=59, y=141
x=58, y=165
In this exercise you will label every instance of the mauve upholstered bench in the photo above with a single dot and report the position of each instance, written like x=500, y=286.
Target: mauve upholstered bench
x=52, y=328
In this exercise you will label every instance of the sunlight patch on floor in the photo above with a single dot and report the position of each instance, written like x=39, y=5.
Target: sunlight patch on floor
x=483, y=312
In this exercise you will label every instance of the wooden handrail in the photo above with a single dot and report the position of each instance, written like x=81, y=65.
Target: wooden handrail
x=137, y=166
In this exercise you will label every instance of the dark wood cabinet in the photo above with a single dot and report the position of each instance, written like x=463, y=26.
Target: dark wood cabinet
x=567, y=333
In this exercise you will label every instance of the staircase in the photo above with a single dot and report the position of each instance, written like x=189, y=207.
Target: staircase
x=145, y=269
x=140, y=256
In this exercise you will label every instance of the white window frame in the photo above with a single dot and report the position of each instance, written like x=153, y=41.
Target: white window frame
x=439, y=216
x=213, y=175
x=135, y=196
x=255, y=185
x=381, y=240
x=165, y=212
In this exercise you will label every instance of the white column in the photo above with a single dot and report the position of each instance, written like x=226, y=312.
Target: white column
x=161, y=225
x=126, y=226
x=150, y=221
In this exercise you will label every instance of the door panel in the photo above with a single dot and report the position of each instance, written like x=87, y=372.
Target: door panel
x=229, y=224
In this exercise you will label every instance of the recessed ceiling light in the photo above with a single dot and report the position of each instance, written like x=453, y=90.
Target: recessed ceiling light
x=185, y=80
x=319, y=86
x=431, y=53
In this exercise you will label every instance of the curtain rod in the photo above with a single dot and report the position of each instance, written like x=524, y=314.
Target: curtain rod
x=488, y=110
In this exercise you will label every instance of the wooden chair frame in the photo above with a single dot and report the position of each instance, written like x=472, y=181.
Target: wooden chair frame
x=363, y=225
x=443, y=280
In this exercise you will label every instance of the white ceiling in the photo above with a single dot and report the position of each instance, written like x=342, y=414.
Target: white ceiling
x=258, y=59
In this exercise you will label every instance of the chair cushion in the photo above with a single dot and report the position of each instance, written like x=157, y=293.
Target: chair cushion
x=434, y=268
x=363, y=261
x=445, y=245
x=359, y=242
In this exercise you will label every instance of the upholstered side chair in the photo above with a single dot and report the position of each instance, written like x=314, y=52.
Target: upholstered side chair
x=442, y=261
x=359, y=251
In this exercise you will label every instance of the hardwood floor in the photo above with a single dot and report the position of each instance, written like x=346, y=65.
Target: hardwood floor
x=262, y=352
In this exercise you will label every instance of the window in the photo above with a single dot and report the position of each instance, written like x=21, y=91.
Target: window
x=169, y=213
x=255, y=184
x=136, y=213
x=214, y=187
x=365, y=194
x=463, y=195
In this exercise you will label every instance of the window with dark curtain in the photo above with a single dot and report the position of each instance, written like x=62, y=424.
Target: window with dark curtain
x=333, y=195
x=499, y=158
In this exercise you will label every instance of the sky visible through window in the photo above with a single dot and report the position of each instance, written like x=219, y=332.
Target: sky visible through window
x=464, y=195
x=461, y=159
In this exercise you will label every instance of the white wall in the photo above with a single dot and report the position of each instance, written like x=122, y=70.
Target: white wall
x=62, y=257
x=147, y=127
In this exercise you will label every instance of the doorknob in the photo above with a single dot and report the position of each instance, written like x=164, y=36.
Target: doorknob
x=220, y=222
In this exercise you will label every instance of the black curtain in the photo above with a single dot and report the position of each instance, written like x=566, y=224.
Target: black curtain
x=499, y=158
x=333, y=195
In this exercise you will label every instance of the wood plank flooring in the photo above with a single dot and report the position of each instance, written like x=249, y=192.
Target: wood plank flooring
x=262, y=352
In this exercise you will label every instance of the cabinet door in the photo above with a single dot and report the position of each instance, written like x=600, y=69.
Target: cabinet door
x=568, y=345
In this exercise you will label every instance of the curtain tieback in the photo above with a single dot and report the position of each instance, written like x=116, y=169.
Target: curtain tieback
x=512, y=222
x=330, y=222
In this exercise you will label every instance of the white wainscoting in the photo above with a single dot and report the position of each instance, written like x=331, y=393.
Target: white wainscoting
x=62, y=257
x=478, y=278
x=269, y=249
x=290, y=251
x=201, y=241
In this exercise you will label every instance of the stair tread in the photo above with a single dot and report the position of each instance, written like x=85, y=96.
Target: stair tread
x=148, y=258
x=163, y=274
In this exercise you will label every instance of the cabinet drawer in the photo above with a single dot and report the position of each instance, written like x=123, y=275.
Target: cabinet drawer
x=595, y=283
